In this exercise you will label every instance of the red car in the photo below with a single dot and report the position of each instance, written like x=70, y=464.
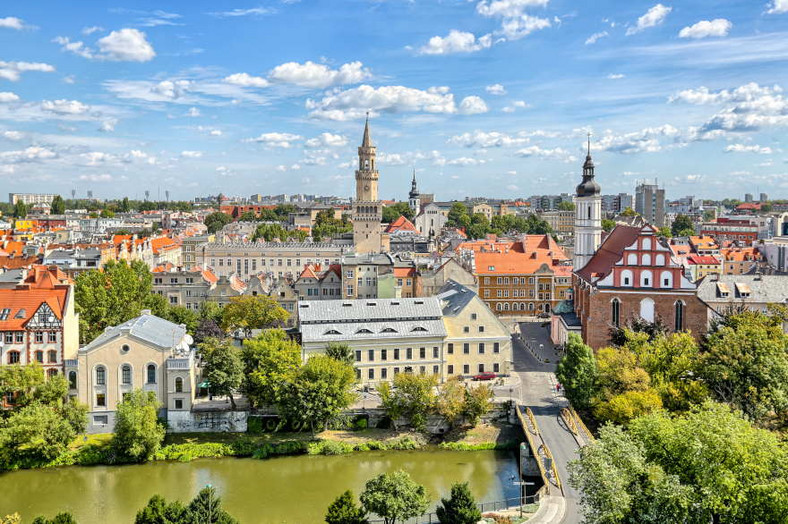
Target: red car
x=484, y=376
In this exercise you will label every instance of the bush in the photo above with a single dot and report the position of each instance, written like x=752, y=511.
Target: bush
x=360, y=424
x=329, y=447
x=254, y=425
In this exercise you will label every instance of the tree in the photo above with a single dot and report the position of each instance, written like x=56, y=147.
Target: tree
x=20, y=209
x=180, y=315
x=21, y=382
x=345, y=511
x=321, y=390
x=107, y=213
x=608, y=224
x=124, y=206
x=326, y=226
x=629, y=212
x=458, y=216
x=460, y=508
x=394, y=496
x=479, y=226
x=394, y=211
x=206, y=508
x=450, y=402
x=682, y=224
x=566, y=206
x=413, y=398
x=248, y=312
x=247, y=216
x=745, y=363
x=478, y=401
x=159, y=511
x=341, y=352
x=664, y=232
x=222, y=367
x=216, y=221
x=625, y=390
x=271, y=360
x=34, y=433
x=14, y=518
x=58, y=206
x=60, y=518
x=576, y=371
x=138, y=432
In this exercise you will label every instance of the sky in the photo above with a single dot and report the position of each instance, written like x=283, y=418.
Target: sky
x=490, y=98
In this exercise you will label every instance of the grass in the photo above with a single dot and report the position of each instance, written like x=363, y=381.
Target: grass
x=483, y=436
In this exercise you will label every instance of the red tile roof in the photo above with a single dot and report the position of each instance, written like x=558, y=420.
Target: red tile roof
x=401, y=224
x=706, y=260
x=524, y=257
x=610, y=252
x=43, y=285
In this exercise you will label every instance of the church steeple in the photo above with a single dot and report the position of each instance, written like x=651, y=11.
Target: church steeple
x=588, y=214
x=588, y=187
x=366, y=141
x=413, y=197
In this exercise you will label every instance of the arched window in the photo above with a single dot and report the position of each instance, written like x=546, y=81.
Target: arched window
x=615, y=311
x=666, y=279
x=101, y=376
x=647, y=309
x=39, y=356
x=13, y=357
x=52, y=356
x=659, y=260
x=151, y=378
x=646, y=278
x=51, y=372
x=632, y=259
x=589, y=212
x=522, y=306
x=179, y=385
x=530, y=306
x=72, y=380
x=547, y=308
x=679, y=313
x=498, y=306
x=125, y=375
x=646, y=243
x=626, y=278
x=646, y=259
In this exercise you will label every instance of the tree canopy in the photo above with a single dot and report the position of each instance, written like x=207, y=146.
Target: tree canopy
x=216, y=221
x=138, y=432
x=394, y=211
x=249, y=312
x=222, y=367
x=395, y=496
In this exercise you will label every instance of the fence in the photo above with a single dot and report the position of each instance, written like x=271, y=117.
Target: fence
x=512, y=503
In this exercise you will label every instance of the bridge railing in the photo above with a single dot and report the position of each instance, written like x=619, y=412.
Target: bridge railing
x=581, y=425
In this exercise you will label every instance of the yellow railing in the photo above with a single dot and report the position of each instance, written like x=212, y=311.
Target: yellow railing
x=581, y=424
x=530, y=435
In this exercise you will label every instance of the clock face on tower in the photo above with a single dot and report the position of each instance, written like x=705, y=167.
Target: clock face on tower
x=366, y=188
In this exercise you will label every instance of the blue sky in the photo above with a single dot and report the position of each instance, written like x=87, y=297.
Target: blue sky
x=483, y=98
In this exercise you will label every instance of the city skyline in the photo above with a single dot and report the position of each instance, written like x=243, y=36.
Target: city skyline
x=271, y=98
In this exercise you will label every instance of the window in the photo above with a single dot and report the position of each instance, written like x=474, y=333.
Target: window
x=358, y=355
x=645, y=278
x=615, y=312
x=646, y=244
x=481, y=368
x=450, y=369
x=667, y=279
x=450, y=348
x=422, y=353
x=466, y=369
x=496, y=347
x=659, y=260
x=435, y=370
x=371, y=355
x=101, y=376
x=40, y=356
x=371, y=373
x=396, y=371
x=481, y=348
x=173, y=300
x=466, y=329
x=422, y=370
x=358, y=374
x=178, y=403
x=409, y=353
x=435, y=352
x=151, y=378
x=647, y=309
x=72, y=380
x=100, y=420
x=125, y=373
x=383, y=354
x=13, y=357
x=39, y=337
x=626, y=278
x=679, y=324
x=646, y=259
x=20, y=337
x=466, y=348
x=51, y=372
x=52, y=337
x=473, y=316
x=496, y=367
x=101, y=400
x=481, y=329
x=179, y=385
x=396, y=353
x=384, y=372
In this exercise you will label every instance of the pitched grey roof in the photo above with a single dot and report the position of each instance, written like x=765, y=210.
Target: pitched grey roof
x=373, y=331
x=146, y=327
x=769, y=289
x=368, y=310
x=454, y=297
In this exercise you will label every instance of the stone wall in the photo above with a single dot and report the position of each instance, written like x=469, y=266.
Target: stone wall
x=207, y=421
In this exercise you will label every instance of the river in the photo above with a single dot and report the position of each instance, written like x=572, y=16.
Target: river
x=293, y=490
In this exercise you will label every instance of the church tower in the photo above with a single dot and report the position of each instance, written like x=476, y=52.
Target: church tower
x=413, y=197
x=588, y=215
x=367, y=209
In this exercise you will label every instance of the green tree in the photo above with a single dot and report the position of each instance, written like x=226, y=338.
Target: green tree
x=450, y=402
x=629, y=212
x=608, y=224
x=576, y=371
x=478, y=401
x=206, y=508
x=107, y=213
x=566, y=206
x=664, y=232
x=159, y=511
x=248, y=312
x=394, y=211
x=460, y=508
x=20, y=209
x=345, y=511
x=271, y=361
x=326, y=226
x=181, y=315
x=745, y=363
x=21, y=382
x=138, y=432
x=58, y=206
x=479, y=226
x=14, y=518
x=321, y=390
x=395, y=496
x=216, y=221
x=412, y=398
x=247, y=216
x=34, y=433
x=222, y=367
x=341, y=352
x=682, y=224
x=60, y=518
x=625, y=390
x=124, y=206
x=458, y=216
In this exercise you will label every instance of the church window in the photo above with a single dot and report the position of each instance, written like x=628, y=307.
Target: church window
x=659, y=260
x=632, y=259
x=647, y=309
x=626, y=278
x=646, y=243
x=646, y=259
x=589, y=212
x=615, y=310
x=679, y=324
x=667, y=279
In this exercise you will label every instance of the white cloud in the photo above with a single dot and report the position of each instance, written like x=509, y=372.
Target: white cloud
x=30, y=154
x=193, y=112
x=522, y=26
x=481, y=139
x=105, y=177
x=282, y=140
x=246, y=80
x=595, y=37
x=653, y=17
x=496, y=89
x=745, y=93
x=13, y=70
x=706, y=28
x=556, y=153
x=126, y=45
x=507, y=8
x=456, y=42
x=353, y=103
x=466, y=161
x=7, y=96
x=92, y=29
x=615, y=76
x=78, y=48
x=473, y=105
x=65, y=107
x=742, y=148
x=12, y=22
x=310, y=74
x=135, y=155
x=191, y=154
x=254, y=11
x=777, y=7
x=517, y=104
x=12, y=135
x=327, y=140
x=108, y=125
x=647, y=140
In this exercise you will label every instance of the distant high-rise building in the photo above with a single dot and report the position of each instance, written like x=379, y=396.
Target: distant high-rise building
x=31, y=199
x=748, y=197
x=763, y=198
x=650, y=203
x=614, y=204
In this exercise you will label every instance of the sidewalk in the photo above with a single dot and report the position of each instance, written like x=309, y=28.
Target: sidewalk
x=551, y=510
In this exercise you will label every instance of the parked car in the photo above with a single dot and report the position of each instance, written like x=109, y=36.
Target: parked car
x=485, y=376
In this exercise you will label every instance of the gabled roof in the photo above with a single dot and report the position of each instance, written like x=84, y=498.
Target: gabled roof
x=401, y=225
x=528, y=256
x=43, y=285
x=610, y=252
x=706, y=260
x=159, y=332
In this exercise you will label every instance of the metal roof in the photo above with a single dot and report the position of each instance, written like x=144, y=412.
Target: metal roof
x=146, y=327
x=762, y=289
x=368, y=310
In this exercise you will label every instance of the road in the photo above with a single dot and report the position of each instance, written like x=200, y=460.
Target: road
x=539, y=393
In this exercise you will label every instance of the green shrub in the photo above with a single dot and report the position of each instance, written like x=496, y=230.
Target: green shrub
x=329, y=447
x=254, y=425
x=360, y=424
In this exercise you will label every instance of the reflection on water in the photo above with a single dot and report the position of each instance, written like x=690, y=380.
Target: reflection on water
x=294, y=490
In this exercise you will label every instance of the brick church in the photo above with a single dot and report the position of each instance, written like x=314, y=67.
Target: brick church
x=630, y=274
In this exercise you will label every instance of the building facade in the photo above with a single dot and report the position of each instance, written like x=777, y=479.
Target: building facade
x=367, y=208
x=650, y=203
x=588, y=215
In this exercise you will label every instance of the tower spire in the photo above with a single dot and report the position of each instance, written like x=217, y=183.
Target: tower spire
x=589, y=145
x=366, y=141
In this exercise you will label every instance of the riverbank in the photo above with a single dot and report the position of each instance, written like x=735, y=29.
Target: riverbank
x=92, y=450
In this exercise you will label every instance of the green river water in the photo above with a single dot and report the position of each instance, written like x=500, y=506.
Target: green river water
x=293, y=490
